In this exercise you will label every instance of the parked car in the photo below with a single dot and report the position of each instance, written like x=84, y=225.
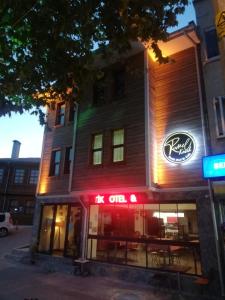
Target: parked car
x=6, y=224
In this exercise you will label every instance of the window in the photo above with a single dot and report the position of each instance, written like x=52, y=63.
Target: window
x=2, y=217
x=212, y=48
x=29, y=207
x=119, y=83
x=14, y=205
x=19, y=176
x=1, y=175
x=55, y=163
x=153, y=235
x=219, y=110
x=97, y=149
x=118, y=145
x=71, y=112
x=68, y=159
x=33, y=177
x=99, y=92
x=60, y=114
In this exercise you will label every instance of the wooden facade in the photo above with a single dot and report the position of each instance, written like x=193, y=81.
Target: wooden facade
x=176, y=107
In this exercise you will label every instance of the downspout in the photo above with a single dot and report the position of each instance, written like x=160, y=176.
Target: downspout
x=73, y=146
x=209, y=183
x=6, y=187
x=85, y=209
x=147, y=121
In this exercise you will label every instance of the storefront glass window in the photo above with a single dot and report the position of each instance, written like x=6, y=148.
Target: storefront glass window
x=163, y=236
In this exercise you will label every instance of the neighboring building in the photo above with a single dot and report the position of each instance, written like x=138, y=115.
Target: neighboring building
x=18, y=182
x=214, y=80
x=121, y=174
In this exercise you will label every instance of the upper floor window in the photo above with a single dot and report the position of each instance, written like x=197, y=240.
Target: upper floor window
x=97, y=149
x=99, y=92
x=33, y=177
x=60, y=114
x=55, y=163
x=219, y=110
x=1, y=175
x=68, y=159
x=118, y=145
x=119, y=83
x=30, y=207
x=212, y=48
x=71, y=111
x=19, y=176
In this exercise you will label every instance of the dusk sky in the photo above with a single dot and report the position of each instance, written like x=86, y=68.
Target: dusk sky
x=26, y=128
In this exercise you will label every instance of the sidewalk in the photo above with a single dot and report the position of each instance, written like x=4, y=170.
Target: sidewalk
x=23, y=282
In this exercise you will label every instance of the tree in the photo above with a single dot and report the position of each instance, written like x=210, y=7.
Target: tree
x=46, y=46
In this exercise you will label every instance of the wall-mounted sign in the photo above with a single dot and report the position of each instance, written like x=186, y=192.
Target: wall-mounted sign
x=118, y=198
x=178, y=147
x=214, y=166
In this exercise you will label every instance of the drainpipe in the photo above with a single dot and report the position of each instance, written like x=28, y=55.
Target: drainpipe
x=211, y=195
x=6, y=186
x=147, y=121
x=73, y=147
x=85, y=209
x=85, y=228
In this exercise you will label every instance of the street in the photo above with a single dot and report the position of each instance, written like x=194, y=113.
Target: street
x=16, y=238
x=31, y=282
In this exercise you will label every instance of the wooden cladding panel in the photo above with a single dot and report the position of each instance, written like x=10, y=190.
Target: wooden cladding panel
x=56, y=137
x=127, y=113
x=175, y=103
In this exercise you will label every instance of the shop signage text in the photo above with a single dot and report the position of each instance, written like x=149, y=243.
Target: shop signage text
x=115, y=199
x=178, y=147
x=214, y=166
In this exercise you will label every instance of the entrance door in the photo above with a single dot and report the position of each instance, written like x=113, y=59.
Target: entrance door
x=60, y=232
x=48, y=215
x=59, y=235
x=74, y=228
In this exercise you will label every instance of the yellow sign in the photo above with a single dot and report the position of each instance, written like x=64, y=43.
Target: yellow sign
x=220, y=24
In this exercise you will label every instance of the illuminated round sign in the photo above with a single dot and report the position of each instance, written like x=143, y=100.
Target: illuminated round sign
x=178, y=147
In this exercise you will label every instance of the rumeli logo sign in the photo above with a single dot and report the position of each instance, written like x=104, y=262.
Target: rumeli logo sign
x=178, y=147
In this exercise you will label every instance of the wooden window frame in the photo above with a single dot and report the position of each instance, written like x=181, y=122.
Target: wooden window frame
x=2, y=173
x=219, y=104
x=20, y=176
x=67, y=160
x=119, y=95
x=95, y=150
x=33, y=176
x=53, y=163
x=206, y=31
x=118, y=146
x=60, y=114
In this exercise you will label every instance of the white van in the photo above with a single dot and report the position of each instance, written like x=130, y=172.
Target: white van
x=6, y=223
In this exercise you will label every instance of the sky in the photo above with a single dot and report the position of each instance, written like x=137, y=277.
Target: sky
x=26, y=128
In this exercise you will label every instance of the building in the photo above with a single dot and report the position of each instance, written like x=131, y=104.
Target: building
x=18, y=182
x=213, y=55
x=121, y=174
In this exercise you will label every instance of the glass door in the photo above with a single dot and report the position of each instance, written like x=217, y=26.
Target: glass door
x=59, y=236
x=48, y=213
x=74, y=228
